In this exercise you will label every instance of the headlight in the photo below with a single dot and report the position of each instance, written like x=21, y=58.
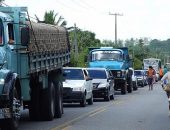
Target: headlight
x=2, y=81
x=102, y=85
x=118, y=73
x=78, y=89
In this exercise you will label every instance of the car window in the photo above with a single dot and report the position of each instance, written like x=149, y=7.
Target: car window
x=74, y=74
x=97, y=74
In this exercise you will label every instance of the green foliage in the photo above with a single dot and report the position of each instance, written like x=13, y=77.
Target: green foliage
x=137, y=63
x=84, y=39
x=109, y=43
x=49, y=17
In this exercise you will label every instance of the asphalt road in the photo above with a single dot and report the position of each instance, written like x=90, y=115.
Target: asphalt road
x=140, y=110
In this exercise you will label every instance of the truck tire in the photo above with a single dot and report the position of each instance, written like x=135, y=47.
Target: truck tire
x=12, y=124
x=59, y=100
x=124, y=88
x=34, y=108
x=130, y=85
x=48, y=103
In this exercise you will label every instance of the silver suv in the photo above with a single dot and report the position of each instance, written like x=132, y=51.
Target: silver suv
x=103, y=83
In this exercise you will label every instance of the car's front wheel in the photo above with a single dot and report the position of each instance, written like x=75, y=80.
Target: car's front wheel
x=83, y=101
x=90, y=101
x=107, y=96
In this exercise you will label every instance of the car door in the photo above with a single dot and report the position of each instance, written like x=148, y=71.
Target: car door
x=88, y=84
x=110, y=80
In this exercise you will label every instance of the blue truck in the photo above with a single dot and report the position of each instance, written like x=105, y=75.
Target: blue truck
x=118, y=61
x=32, y=56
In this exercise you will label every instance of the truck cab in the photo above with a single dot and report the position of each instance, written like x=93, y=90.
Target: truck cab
x=30, y=67
x=117, y=60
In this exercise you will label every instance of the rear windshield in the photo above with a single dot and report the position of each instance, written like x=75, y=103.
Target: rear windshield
x=97, y=74
x=74, y=74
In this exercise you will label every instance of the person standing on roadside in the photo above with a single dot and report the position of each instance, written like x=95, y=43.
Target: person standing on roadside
x=150, y=77
x=165, y=69
x=165, y=81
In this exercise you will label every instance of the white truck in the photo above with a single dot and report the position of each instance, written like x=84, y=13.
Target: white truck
x=155, y=63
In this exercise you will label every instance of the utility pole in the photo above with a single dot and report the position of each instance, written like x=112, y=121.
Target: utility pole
x=75, y=45
x=115, y=14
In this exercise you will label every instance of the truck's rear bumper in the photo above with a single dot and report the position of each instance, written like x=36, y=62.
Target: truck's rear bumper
x=5, y=113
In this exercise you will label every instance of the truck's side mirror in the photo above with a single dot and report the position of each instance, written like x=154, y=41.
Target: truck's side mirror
x=25, y=37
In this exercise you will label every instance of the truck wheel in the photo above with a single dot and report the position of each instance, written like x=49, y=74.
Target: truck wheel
x=59, y=101
x=83, y=101
x=130, y=86
x=90, y=101
x=12, y=124
x=124, y=88
x=34, y=108
x=48, y=103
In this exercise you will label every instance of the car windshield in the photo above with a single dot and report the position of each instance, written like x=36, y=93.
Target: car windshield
x=74, y=74
x=138, y=73
x=97, y=74
x=106, y=55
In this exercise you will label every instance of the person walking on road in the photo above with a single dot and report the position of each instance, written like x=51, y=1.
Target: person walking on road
x=165, y=81
x=165, y=70
x=160, y=73
x=150, y=77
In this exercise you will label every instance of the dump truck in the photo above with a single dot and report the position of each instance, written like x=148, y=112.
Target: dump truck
x=32, y=56
x=118, y=61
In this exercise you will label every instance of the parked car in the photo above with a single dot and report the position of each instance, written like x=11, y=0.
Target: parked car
x=134, y=80
x=103, y=83
x=141, y=77
x=77, y=86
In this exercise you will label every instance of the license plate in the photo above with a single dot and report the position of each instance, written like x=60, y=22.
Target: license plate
x=5, y=113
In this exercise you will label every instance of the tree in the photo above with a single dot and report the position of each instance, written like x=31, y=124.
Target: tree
x=85, y=39
x=50, y=17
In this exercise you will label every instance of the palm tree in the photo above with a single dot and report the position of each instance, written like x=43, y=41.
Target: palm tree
x=50, y=18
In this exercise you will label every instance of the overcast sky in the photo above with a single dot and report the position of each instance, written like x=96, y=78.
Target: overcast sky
x=140, y=18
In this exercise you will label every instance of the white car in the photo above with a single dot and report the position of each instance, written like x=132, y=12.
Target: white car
x=103, y=83
x=77, y=86
x=141, y=77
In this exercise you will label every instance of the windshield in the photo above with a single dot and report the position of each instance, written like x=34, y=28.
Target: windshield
x=138, y=73
x=155, y=63
x=97, y=74
x=74, y=74
x=106, y=55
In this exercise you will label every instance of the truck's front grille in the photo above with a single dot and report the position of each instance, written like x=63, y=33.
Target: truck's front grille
x=116, y=74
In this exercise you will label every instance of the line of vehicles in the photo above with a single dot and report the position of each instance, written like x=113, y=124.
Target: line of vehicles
x=34, y=73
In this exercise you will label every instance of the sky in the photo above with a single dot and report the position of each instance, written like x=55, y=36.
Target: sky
x=139, y=18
